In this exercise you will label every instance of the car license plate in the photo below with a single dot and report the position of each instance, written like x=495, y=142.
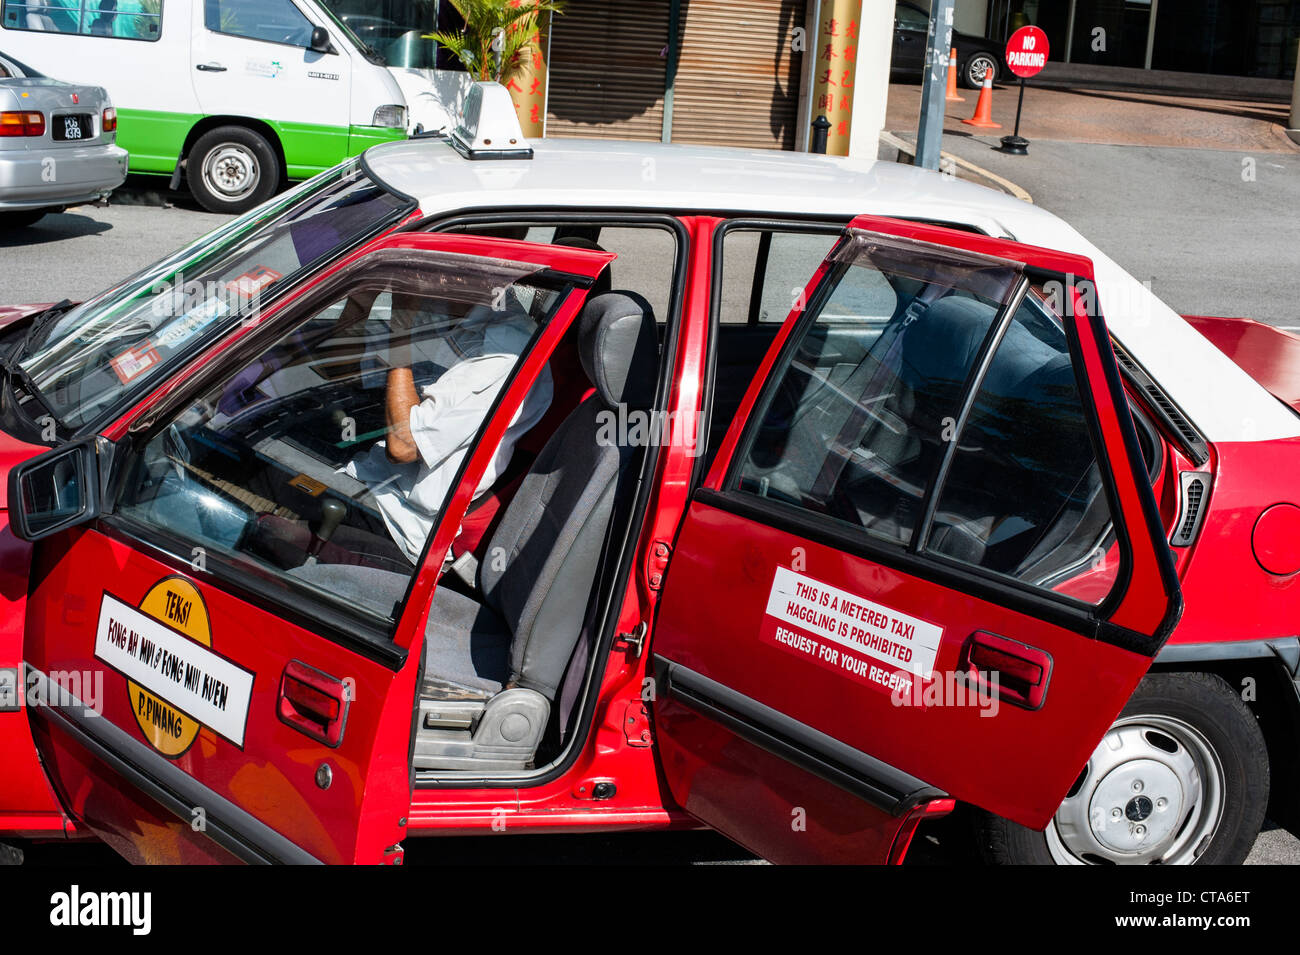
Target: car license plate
x=71, y=128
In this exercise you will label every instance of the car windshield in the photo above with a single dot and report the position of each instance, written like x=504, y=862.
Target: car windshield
x=87, y=359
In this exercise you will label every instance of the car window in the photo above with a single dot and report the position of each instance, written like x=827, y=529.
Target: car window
x=275, y=21
x=910, y=18
x=88, y=358
x=764, y=272
x=859, y=411
x=1023, y=496
x=291, y=470
x=122, y=19
x=647, y=255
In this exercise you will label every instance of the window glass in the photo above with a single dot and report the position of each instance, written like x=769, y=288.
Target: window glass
x=123, y=19
x=275, y=21
x=647, y=255
x=910, y=18
x=763, y=274
x=1023, y=496
x=89, y=357
x=866, y=398
x=323, y=463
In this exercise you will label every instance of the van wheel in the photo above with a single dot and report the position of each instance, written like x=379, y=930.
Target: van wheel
x=232, y=169
x=1181, y=778
x=21, y=218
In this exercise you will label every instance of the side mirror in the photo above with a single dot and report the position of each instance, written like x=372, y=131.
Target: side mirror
x=320, y=41
x=55, y=491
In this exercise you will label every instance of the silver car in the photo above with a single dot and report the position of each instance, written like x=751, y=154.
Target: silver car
x=57, y=145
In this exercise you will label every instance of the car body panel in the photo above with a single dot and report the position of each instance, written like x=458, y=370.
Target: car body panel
x=741, y=761
x=1268, y=354
x=607, y=177
x=260, y=791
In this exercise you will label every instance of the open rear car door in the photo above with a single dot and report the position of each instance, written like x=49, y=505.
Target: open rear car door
x=224, y=636
x=926, y=564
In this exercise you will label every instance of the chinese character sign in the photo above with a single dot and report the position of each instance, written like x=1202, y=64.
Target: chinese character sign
x=834, y=71
x=528, y=86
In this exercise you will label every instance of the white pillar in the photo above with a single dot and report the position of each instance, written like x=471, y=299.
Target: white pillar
x=875, y=47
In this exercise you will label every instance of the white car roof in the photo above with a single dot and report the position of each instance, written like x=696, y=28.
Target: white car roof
x=1223, y=401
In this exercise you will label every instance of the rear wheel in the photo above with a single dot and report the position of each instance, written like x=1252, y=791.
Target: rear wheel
x=1181, y=777
x=972, y=75
x=21, y=218
x=232, y=169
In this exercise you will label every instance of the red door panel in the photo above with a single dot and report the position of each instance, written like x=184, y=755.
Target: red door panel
x=819, y=690
x=189, y=719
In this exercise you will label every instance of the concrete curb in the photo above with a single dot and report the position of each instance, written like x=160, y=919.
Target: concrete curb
x=975, y=173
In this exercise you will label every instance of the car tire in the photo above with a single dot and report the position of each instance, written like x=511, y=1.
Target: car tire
x=1192, y=733
x=232, y=169
x=972, y=71
x=21, y=219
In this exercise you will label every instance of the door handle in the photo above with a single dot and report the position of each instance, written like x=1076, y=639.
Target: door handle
x=211, y=68
x=1022, y=672
x=314, y=703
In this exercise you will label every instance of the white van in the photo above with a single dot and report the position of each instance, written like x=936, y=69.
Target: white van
x=236, y=95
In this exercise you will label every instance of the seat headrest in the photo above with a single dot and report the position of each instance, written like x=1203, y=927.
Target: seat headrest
x=619, y=348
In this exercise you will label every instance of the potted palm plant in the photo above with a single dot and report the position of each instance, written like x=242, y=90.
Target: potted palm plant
x=493, y=43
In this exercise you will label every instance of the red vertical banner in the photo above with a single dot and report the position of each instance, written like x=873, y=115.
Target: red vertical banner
x=528, y=86
x=835, y=70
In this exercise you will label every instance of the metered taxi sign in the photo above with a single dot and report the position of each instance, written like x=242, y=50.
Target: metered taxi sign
x=176, y=683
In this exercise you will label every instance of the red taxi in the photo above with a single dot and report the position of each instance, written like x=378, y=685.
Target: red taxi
x=577, y=485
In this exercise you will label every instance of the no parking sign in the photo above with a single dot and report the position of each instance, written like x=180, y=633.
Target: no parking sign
x=1026, y=56
x=1027, y=52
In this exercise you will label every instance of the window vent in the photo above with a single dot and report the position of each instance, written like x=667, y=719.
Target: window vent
x=1166, y=410
x=1194, y=490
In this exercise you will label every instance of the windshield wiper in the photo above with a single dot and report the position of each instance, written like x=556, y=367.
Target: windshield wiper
x=39, y=322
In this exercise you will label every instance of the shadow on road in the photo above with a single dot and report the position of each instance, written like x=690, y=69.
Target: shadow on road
x=53, y=228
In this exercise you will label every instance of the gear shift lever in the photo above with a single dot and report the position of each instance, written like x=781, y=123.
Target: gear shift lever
x=332, y=514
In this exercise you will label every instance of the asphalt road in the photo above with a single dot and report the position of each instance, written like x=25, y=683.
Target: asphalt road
x=1210, y=241
x=1215, y=232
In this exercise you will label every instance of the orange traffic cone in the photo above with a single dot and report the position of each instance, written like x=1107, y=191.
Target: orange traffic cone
x=983, y=117
x=951, y=96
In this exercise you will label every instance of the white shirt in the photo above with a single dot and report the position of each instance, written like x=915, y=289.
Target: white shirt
x=443, y=426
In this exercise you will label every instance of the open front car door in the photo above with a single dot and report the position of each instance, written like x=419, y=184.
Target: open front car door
x=926, y=564
x=224, y=639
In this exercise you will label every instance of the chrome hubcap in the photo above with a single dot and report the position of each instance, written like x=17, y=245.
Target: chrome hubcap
x=232, y=171
x=978, y=66
x=1151, y=793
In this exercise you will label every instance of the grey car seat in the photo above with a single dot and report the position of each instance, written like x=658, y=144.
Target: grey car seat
x=494, y=661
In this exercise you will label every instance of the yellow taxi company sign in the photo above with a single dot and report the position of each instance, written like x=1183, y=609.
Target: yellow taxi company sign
x=176, y=683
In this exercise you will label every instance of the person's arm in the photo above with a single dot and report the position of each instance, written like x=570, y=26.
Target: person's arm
x=400, y=396
x=399, y=399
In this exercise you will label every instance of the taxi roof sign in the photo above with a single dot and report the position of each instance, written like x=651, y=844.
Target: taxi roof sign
x=489, y=127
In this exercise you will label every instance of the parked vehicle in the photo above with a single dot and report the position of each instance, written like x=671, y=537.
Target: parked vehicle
x=57, y=145
x=846, y=505
x=234, y=96
x=976, y=55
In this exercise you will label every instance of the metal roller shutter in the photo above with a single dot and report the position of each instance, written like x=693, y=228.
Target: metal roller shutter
x=738, y=78
x=607, y=67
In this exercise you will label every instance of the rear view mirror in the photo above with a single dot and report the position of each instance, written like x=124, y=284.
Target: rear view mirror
x=55, y=491
x=320, y=41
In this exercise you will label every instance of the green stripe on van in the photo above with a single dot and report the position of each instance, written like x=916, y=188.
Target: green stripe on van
x=155, y=138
